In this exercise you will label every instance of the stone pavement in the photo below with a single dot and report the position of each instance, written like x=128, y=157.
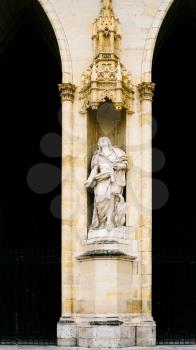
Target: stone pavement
x=33, y=347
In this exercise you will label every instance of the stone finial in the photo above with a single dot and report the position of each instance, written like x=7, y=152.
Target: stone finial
x=106, y=6
x=146, y=91
x=106, y=31
x=66, y=91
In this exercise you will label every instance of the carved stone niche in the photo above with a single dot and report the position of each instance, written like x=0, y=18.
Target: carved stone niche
x=105, y=121
x=106, y=92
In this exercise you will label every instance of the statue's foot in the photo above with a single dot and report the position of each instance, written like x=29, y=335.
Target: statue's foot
x=94, y=227
x=109, y=227
x=102, y=226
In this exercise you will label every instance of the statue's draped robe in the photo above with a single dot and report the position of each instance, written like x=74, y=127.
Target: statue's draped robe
x=108, y=182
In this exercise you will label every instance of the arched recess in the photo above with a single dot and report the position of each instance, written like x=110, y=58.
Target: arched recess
x=146, y=69
x=174, y=239
x=67, y=74
x=8, y=22
x=31, y=61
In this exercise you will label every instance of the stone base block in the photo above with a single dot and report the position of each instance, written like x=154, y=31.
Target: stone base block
x=105, y=334
x=102, y=336
x=101, y=234
x=66, y=333
x=146, y=335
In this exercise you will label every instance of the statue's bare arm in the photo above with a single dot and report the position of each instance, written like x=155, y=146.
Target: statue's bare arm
x=92, y=175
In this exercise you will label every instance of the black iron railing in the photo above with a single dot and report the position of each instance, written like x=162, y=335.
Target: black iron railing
x=174, y=296
x=29, y=296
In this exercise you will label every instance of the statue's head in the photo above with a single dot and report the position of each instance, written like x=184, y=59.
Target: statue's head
x=104, y=141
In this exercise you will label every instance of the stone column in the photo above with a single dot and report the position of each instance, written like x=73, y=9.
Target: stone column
x=146, y=331
x=133, y=150
x=66, y=328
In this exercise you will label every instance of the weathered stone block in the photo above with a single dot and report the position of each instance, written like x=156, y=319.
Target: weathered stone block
x=66, y=334
x=127, y=335
x=146, y=335
x=106, y=336
x=87, y=332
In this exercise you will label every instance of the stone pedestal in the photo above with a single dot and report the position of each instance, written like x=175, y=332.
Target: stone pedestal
x=104, y=234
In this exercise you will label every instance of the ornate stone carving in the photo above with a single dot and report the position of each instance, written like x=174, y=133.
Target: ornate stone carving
x=107, y=78
x=146, y=91
x=66, y=91
x=107, y=177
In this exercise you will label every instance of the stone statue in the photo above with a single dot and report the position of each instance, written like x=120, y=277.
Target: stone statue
x=107, y=177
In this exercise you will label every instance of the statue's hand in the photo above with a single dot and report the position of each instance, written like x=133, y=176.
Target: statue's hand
x=87, y=183
x=119, y=166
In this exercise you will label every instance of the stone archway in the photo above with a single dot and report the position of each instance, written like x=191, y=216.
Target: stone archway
x=67, y=74
x=151, y=40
